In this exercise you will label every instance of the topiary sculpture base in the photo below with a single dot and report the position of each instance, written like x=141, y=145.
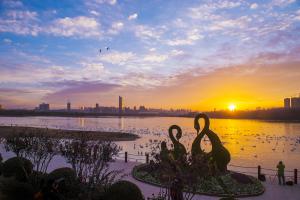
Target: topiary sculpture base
x=239, y=185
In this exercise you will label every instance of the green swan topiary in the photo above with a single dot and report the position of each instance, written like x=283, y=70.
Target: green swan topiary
x=164, y=152
x=219, y=153
x=179, y=152
x=196, y=145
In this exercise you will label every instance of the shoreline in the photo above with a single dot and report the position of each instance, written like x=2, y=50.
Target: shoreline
x=154, y=116
x=70, y=134
x=272, y=115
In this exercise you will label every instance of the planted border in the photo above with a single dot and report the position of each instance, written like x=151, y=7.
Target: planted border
x=209, y=188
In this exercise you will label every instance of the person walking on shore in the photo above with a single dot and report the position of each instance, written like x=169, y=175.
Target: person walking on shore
x=280, y=172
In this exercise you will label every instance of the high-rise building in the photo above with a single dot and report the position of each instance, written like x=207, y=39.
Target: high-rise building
x=287, y=103
x=97, y=108
x=295, y=102
x=69, y=106
x=44, y=107
x=120, y=104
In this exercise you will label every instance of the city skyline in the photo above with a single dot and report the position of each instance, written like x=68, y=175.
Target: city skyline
x=119, y=107
x=288, y=103
x=197, y=55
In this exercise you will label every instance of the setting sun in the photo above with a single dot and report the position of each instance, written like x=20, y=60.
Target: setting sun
x=232, y=107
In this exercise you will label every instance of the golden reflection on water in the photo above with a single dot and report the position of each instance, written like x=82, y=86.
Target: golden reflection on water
x=121, y=123
x=81, y=122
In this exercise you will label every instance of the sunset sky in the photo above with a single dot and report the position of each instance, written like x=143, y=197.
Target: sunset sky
x=183, y=54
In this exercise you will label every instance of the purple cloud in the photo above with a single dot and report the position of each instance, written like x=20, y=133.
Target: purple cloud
x=13, y=90
x=72, y=88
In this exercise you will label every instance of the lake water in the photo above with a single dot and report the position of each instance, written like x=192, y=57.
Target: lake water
x=250, y=142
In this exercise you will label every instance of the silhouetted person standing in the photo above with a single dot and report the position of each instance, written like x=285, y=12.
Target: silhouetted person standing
x=280, y=172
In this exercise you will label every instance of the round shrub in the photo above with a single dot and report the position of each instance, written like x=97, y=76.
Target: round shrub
x=124, y=190
x=65, y=172
x=20, y=168
x=228, y=198
x=14, y=190
x=66, y=180
x=1, y=168
x=37, y=180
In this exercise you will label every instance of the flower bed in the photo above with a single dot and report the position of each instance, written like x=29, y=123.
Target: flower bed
x=236, y=184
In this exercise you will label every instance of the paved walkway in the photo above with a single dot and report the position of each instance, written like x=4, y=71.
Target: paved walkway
x=273, y=190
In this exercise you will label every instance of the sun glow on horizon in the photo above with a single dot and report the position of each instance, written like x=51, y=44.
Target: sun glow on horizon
x=232, y=107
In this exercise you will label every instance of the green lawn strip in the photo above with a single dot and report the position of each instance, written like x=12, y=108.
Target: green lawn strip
x=6, y=131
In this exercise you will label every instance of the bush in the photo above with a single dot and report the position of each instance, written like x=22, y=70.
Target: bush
x=12, y=189
x=37, y=179
x=124, y=190
x=241, y=178
x=67, y=173
x=228, y=198
x=20, y=168
x=68, y=185
x=1, y=164
x=90, y=160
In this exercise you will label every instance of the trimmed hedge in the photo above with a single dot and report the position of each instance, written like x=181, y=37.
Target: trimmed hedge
x=124, y=190
x=20, y=168
x=12, y=189
x=65, y=172
x=228, y=198
x=68, y=186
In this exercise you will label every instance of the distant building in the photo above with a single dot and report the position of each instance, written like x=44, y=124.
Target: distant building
x=44, y=107
x=287, y=103
x=295, y=102
x=120, y=104
x=127, y=109
x=109, y=109
x=97, y=108
x=69, y=106
x=258, y=108
x=142, y=109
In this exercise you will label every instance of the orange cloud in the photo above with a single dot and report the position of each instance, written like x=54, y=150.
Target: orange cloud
x=248, y=86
